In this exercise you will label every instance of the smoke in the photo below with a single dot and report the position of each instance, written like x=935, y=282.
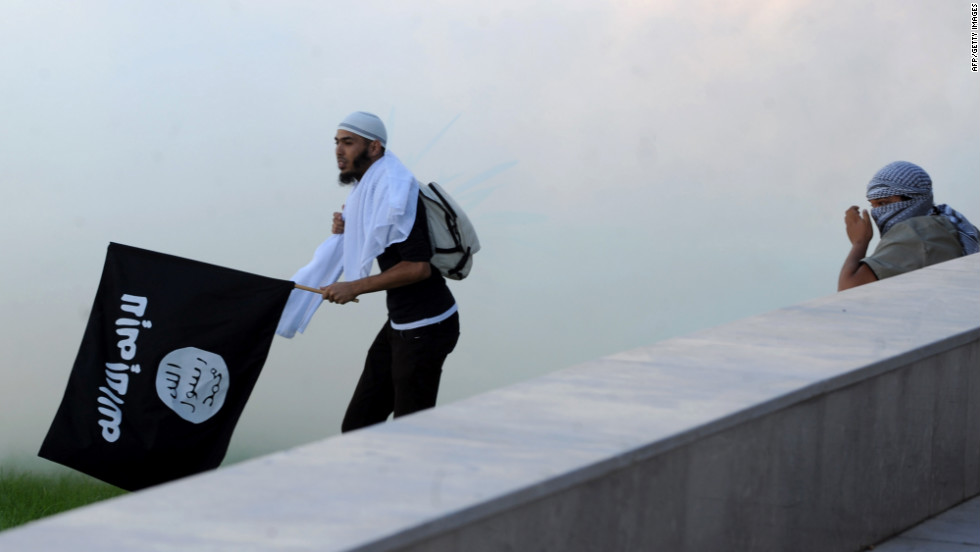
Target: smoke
x=635, y=170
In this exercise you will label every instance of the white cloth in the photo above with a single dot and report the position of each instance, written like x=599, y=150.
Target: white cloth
x=324, y=269
x=380, y=211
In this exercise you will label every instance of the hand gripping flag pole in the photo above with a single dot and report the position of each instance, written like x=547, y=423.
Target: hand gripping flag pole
x=318, y=291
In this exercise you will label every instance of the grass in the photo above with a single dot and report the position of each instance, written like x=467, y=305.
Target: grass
x=26, y=496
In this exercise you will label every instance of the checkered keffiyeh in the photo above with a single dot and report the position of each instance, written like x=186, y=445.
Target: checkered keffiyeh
x=902, y=178
x=968, y=234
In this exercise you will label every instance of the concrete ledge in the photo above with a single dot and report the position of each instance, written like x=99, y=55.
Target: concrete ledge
x=828, y=425
x=955, y=530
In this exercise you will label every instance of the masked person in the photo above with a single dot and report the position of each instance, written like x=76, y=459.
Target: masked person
x=914, y=232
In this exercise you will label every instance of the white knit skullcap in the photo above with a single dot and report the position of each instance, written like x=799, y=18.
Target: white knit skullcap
x=367, y=125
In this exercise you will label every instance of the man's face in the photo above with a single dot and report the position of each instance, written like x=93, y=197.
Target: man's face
x=353, y=156
x=882, y=201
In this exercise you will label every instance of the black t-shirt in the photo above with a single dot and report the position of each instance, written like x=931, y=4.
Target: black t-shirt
x=425, y=299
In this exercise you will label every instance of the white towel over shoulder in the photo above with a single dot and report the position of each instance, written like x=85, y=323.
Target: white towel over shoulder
x=380, y=211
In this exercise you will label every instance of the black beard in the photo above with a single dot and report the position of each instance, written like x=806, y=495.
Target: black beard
x=357, y=170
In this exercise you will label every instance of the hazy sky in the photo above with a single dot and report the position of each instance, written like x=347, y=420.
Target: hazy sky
x=635, y=169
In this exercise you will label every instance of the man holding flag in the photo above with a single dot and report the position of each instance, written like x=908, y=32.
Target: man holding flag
x=383, y=219
x=174, y=347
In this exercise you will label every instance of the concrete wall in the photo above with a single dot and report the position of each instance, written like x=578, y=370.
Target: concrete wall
x=828, y=425
x=835, y=472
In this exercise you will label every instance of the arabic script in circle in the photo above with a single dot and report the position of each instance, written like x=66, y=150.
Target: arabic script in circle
x=193, y=383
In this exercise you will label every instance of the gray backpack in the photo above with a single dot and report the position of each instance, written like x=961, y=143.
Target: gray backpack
x=453, y=238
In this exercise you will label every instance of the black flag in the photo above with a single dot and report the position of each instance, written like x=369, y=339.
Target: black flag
x=172, y=350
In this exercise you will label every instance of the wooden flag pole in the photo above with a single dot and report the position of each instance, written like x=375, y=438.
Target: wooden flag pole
x=317, y=291
x=308, y=288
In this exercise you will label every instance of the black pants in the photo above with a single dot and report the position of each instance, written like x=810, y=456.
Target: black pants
x=401, y=372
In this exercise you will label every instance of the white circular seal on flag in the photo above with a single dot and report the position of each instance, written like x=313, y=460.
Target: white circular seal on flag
x=193, y=383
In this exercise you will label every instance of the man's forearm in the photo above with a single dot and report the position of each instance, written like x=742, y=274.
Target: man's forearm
x=855, y=273
x=402, y=274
